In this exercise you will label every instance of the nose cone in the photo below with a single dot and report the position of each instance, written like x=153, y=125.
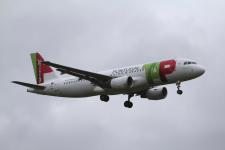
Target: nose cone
x=199, y=70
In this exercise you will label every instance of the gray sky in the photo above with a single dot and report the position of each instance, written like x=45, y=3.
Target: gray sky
x=98, y=35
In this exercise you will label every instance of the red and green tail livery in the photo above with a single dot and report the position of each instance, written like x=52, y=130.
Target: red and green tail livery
x=42, y=72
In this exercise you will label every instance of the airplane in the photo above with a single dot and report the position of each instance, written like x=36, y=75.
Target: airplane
x=145, y=80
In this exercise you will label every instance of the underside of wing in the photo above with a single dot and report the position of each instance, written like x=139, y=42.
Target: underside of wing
x=96, y=78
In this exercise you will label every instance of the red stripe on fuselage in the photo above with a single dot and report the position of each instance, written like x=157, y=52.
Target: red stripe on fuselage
x=166, y=67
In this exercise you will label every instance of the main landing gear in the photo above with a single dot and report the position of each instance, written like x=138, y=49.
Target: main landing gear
x=179, y=91
x=104, y=98
x=128, y=103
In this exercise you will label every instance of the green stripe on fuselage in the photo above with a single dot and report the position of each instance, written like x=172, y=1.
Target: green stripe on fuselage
x=34, y=62
x=152, y=72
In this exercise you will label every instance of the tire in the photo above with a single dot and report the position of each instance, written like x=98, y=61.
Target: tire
x=128, y=104
x=104, y=98
x=180, y=92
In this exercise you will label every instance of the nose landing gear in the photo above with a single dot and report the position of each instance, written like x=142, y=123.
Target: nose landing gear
x=179, y=91
x=128, y=103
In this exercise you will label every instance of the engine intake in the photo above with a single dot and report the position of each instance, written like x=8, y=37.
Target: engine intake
x=155, y=93
x=122, y=83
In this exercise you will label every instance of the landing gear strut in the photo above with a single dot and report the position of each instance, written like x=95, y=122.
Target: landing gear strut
x=128, y=103
x=179, y=91
x=104, y=98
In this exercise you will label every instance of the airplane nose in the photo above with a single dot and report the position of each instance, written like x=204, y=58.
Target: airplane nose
x=200, y=70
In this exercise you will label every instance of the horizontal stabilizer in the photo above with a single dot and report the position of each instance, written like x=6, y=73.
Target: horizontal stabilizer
x=29, y=85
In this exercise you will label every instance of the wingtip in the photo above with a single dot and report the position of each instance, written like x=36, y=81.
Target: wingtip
x=46, y=62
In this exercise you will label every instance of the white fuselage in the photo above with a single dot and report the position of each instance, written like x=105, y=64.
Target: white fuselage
x=75, y=87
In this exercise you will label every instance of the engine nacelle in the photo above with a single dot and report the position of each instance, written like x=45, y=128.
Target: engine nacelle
x=155, y=93
x=122, y=83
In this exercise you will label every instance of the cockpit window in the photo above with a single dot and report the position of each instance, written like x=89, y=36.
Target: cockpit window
x=189, y=62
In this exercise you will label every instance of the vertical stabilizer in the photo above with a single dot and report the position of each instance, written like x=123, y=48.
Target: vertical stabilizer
x=42, y=72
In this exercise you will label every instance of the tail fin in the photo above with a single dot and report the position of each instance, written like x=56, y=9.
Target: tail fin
x=42, y=72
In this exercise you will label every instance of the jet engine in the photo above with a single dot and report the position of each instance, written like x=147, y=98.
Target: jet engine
x=122, y=83
x=155, y=93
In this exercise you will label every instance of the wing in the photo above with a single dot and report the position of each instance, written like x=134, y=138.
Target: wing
x=98, y=79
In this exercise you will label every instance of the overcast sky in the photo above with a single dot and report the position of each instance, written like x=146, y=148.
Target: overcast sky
x=103, y=34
